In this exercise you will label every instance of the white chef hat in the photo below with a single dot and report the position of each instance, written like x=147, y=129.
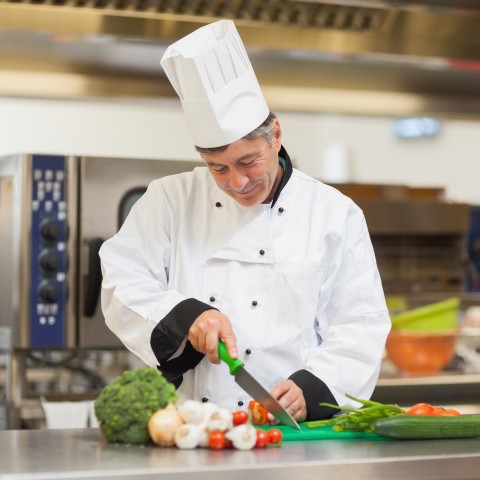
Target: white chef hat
x=212, y=74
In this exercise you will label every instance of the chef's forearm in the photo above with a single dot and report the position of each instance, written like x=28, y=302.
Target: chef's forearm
x=315, y=391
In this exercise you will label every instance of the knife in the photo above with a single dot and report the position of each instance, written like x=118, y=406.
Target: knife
x=253, y=388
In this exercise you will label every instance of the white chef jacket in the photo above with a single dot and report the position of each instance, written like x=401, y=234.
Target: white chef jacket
x=297, y=279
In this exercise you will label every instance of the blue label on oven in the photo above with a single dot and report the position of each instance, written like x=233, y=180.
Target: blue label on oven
x=48, y=252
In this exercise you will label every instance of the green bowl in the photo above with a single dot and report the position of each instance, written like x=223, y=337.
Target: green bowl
x=436, y=316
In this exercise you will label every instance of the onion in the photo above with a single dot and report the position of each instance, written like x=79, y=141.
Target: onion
x=188, y=436
x=243, y=437
x=163, y=425
x=192, y=411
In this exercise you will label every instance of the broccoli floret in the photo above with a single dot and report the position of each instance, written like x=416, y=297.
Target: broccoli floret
x=124, y=407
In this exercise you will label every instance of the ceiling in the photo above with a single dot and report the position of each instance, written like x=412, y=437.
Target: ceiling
x=410, y=57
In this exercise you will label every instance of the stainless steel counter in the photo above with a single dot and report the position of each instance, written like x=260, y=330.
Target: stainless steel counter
x=82, y=454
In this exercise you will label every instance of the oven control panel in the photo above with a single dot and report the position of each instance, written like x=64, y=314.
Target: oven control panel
x=48, y=263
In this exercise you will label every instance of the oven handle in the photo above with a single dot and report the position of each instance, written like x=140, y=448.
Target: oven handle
x=93, y=279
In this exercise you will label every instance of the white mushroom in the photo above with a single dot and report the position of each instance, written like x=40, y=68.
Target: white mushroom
x=192, y=411
x=221, y=420
x=243, y=437
x=188, y=436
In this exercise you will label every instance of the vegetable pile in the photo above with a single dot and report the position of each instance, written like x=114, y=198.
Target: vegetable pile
x=139, y=407
x=194, y=424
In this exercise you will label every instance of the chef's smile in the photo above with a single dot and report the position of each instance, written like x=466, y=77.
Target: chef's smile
x=248, y=170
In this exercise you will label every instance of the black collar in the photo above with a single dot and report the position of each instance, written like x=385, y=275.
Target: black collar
x=287, y=173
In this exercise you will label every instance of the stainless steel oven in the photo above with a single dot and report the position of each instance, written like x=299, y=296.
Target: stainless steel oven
x=55, y=212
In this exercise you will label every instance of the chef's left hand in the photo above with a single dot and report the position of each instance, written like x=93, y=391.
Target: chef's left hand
x=291, y=398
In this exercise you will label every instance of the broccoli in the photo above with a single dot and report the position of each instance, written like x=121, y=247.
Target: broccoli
x=124, y=407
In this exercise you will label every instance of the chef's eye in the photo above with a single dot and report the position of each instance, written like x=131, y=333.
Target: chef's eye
x=248, y=164
x=219, y=169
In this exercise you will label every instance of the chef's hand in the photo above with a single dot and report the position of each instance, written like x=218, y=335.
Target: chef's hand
x=207, y=329
x=291, y=398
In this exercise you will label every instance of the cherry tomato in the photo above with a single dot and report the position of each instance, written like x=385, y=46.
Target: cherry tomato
x=216, y=440
x=421, y=409
x=262, y=438
x=274, y=435
x=450, y=412
x=240, y=417
x=427, y=409
x=258, y=412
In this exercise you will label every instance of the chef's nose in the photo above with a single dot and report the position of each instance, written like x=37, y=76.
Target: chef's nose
x=237, y=180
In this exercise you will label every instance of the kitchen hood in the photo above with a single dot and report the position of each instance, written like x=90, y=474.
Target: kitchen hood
x=404, y=56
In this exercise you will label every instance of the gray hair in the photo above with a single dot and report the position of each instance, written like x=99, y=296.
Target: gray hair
x=266, y=130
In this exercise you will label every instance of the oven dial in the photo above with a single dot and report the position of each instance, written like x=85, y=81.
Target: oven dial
x=50, y=261
x=51, y=230
x=49, y=292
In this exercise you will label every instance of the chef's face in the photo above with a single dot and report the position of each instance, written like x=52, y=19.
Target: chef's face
x=248, y=170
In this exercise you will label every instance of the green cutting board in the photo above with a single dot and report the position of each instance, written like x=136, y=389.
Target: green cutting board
x=321, y=433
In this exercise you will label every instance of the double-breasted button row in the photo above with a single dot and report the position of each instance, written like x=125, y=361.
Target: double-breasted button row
x=280, y=210
x=240, y=403
x=213, y=299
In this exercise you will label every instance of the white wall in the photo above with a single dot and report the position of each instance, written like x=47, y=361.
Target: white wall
x=450, y=160
x=157, y=130
x=100, y=128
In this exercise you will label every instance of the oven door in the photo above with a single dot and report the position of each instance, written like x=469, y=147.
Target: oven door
x=109, y=187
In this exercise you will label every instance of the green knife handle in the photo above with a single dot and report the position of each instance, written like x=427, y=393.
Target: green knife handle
x=233, y=365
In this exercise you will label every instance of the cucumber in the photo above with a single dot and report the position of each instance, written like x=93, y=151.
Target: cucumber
x=425, y=427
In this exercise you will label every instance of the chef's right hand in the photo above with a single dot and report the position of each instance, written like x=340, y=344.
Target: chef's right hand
x=207, y=329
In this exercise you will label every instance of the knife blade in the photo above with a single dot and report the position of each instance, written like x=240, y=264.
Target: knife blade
x=248, y=383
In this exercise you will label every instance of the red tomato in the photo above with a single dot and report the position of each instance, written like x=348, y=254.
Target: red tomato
x=421, y=409
x=262, y=438
x=427, y=409
x=258, y=413
x=274, y=435
x=217, y=440
x=240, y=417
x=449, y=413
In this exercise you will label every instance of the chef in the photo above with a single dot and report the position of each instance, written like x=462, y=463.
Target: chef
x=246, y=249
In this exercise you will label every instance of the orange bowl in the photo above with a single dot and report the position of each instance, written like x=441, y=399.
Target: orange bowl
x=421, y=352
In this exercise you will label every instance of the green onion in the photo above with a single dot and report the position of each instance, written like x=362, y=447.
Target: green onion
x=362, y=419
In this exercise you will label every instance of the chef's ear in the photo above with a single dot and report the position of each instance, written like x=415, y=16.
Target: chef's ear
x=277, y=135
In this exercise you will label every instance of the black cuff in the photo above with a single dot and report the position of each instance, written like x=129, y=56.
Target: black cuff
x=174, y=369
x=168, y=336
x=315, y=391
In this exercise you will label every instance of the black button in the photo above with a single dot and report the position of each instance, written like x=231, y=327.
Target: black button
x=281, y=210
x=248, y=351
x=218, y=204
x=254, y=303
x=262, y=252
x=240, y=403
x=204, y=399
x=212, y=299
